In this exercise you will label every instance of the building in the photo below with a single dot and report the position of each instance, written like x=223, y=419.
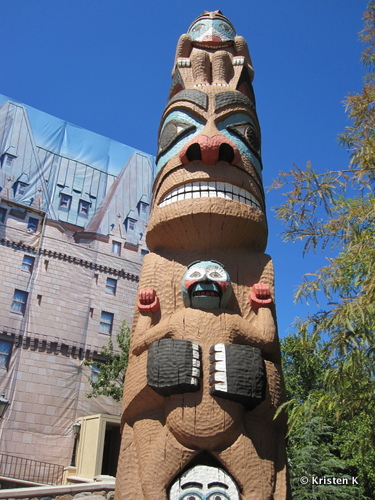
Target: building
x=73, y=212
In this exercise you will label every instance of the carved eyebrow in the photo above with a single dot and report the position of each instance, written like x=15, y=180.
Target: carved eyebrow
x=225, y=98
x=221, y=485
x=192, y=484
x=192, y=95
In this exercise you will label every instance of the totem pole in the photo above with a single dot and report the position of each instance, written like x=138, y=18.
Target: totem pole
x=204, y=377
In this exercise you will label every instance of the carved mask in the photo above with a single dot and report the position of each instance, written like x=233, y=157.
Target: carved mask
x=206, y=285
x=204, y=483
x=213, y=32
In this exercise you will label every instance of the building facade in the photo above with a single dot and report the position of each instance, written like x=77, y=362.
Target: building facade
x=73, y=212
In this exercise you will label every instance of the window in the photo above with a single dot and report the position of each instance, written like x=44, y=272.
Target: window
x=5, y=352
x=143, y=253
x=84, y=207
x=95, y=372
x=142, y=205
x=142, y=208
x=116, y=247
x=130, y=221
x=65, y=201
x=3, y=214
x=19, y=301
x=106, y=323
x=28, y=263
x=8, y=160
x=21, y=188
x=111, y=285
x=32, y=224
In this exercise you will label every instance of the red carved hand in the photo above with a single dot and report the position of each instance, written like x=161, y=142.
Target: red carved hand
x=260, y=296
x=148, y=301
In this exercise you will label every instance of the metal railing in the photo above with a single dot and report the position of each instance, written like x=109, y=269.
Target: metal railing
x=34, y=471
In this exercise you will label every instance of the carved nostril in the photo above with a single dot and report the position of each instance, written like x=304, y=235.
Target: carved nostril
x=210, y=150
x=194, y=152
x=226, y=153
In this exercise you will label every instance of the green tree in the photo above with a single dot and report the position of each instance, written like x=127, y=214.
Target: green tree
x=318, y=445
x=112, y=367
x=335, y=211
x=313, y=457
x=305, y=360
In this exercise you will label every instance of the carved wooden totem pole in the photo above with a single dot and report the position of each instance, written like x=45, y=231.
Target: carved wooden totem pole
x=204, y=377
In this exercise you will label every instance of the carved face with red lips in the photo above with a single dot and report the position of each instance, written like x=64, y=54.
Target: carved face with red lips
x=208, y=191
x=206, y=285
x=212, y=30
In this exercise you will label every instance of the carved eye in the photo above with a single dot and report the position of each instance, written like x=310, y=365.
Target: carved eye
x=191, y=496
x=195, y=273
x=248, y=133
x=225, y=27
x=216, y=273
x=172, y=131
x=197, y=27
x=217, y=496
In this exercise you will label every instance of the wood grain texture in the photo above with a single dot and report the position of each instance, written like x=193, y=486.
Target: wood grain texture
x=208, y=205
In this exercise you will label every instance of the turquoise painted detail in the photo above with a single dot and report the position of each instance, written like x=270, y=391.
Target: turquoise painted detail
x=241, y=144
x=181, y=138
x=206, y=285
x=193, y=494
x=211, y=27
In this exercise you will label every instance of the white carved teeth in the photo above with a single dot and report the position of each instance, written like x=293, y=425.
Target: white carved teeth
x=210, y=189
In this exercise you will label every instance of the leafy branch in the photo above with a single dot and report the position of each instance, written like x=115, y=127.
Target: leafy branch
x=111, y=367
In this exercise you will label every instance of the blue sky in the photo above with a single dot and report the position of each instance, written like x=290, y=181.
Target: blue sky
x=105, y=65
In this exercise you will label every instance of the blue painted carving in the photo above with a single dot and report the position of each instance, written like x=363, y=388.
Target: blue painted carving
x=206, y=285
x=178, y=129
x=210, y=32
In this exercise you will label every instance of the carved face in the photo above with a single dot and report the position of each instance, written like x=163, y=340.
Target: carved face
x=211, y=33
x=206, y=285
x=231, y=135
x=204, y=483
x=208, y=191
x=209, y=165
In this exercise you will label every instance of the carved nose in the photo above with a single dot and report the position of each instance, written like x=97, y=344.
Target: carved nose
x=210, y=150
x=211, y=38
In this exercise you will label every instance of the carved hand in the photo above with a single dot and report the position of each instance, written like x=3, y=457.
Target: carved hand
x=260, y=296
x=148, y=301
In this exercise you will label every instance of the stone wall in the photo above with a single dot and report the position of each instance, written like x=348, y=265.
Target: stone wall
x=67, y=286
x=87, y=491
